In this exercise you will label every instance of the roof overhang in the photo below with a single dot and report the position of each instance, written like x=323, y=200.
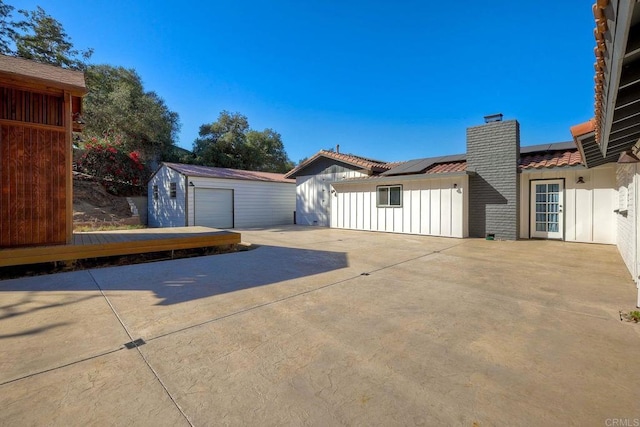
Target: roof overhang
x=31, y=75
x=553, y=169
x=584, y=137
x=381, y=179
x=617, y=103
x=337, y=157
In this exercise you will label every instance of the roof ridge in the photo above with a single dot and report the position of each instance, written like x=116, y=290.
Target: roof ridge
x=220, y=167
x=367, y=159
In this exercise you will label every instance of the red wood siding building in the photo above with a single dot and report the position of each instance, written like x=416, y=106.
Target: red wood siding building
x=39, y=108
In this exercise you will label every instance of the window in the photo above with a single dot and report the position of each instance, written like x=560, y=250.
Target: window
x=155, y=192
x=172, y=190
x=390, y=196
x=623, y=195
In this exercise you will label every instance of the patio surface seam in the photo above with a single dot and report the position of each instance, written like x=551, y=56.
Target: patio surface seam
x=75, y=362
x=155, y=374
x=289, y=297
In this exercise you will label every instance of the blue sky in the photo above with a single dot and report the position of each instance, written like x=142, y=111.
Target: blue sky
x=388, y=80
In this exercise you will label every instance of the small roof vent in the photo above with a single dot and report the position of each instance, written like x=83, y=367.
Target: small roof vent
x=493, y=118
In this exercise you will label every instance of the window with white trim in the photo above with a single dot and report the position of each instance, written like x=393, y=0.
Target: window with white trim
x=389, y=196
x=155, y=192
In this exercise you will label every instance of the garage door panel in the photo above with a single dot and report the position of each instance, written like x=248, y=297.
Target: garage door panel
x=214, y=207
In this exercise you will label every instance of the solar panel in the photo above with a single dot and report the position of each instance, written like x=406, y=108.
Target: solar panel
x=420, y=165
x=558, y=146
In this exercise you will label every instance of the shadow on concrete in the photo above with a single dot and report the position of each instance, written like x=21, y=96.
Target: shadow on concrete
x=33, y=331
x=190, y=279
x=29, y=305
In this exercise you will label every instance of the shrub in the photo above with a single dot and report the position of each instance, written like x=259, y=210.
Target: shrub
x=107, y=160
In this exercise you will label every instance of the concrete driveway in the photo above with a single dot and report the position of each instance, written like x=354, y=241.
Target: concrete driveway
x=328, y=327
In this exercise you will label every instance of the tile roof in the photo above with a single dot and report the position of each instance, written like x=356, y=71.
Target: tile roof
x=448, y=167
x=583, y=128
x=617, y=80
x=225, y=173
x=551, y=159
x=20, y=69
x=600, y=52
x=417, y=166
x=352, y=159
x=560, y=154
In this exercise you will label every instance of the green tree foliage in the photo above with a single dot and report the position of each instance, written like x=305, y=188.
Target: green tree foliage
x=266, y=152
x=230, y=143
x=117, y=104
x=42, y=38
x=7, y=31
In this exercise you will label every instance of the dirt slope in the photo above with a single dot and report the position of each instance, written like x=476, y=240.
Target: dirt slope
x=92, y=203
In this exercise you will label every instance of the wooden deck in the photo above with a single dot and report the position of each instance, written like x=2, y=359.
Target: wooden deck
x=122, y=242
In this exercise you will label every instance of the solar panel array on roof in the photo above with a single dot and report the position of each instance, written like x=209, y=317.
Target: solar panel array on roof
x=558, y=146
x=420, y=165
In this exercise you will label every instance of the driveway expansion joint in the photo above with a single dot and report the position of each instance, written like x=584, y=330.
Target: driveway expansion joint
x=135, y=344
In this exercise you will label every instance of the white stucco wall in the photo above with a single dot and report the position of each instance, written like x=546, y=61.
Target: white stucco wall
x=429, y=207
x=588, y=208
x=255, y=203
x=166, y=211
x=313, y=204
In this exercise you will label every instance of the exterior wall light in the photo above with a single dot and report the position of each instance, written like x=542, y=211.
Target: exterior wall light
x=580, y=180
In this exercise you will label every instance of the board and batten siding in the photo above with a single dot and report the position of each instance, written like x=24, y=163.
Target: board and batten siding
x=313, y=201
x=166, y=211
x=255, y=203
x=430, y=207
x=588, y=209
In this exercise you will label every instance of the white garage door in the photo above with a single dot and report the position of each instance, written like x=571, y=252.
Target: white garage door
x=213, y=207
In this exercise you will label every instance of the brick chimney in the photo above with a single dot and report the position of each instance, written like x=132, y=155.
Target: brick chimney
x=493, y=152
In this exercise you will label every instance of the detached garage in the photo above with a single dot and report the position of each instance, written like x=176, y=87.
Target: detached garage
x=188, y=195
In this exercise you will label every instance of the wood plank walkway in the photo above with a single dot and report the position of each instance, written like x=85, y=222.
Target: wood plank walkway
x=97, y=244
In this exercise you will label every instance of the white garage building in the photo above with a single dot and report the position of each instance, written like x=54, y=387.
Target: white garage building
x=185, y=195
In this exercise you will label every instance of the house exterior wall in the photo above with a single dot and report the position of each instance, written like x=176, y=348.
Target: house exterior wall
x=429, y=207
x=255, y=203
x=313, y=201
x=588, y=208
x=627, y=179
x=166, y=211
x=493, y=151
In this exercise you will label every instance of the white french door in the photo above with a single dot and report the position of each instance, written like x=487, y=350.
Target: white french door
x=547, y=199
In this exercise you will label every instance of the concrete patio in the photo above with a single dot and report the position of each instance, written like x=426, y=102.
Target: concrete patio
x=328, y=327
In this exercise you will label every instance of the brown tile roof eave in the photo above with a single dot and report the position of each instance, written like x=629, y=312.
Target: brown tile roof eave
x=583, y=128
x=580, y=131
x=599, y=65
x=361, y=162
x=558, y=159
